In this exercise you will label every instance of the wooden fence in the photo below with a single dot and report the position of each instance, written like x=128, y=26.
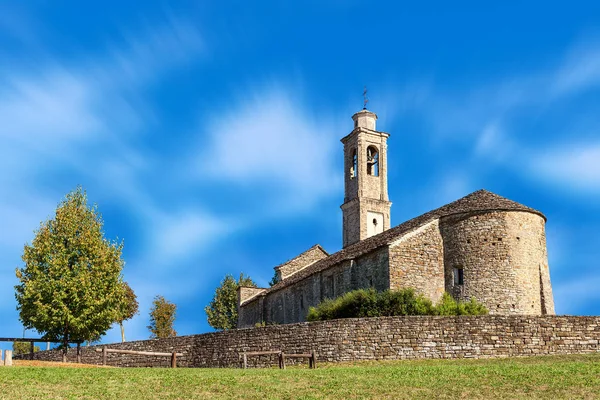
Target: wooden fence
x=312, y=357
x=106, y=350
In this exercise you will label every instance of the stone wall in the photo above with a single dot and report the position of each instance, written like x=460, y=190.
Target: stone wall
x=417, y=261
x=386, y=338
x=501, y=254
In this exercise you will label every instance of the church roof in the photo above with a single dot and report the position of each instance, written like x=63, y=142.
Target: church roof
x=315, y=247
x=481, y=200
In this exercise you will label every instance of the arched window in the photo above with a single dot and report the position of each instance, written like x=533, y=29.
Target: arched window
x=372, y=161
x=354, y=166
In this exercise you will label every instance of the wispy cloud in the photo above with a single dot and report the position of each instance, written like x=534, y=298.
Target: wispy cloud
x=509, y=122
x=580, y=69
x=269, y=139
x=573, y=166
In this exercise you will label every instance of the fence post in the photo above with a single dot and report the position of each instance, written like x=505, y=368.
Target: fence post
x=244, y=361
x=282, y=360
x=174, y=360
x=314, y=358
x=103, y=355
x=78, y=352
x=31, y=348
x=8, y=358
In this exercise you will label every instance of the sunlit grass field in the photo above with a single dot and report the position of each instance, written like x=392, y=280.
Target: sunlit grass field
x=550, y=377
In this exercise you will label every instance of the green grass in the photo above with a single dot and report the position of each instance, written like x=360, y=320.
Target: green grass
x=551, y=377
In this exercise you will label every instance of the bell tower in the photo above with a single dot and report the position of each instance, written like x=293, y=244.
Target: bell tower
x=366, y=207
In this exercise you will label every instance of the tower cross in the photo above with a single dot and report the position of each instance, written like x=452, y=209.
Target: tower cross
x=365, y=99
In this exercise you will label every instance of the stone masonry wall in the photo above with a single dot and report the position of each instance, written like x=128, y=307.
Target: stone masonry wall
x=386, y=338
x=501, y=254
x=417, y=261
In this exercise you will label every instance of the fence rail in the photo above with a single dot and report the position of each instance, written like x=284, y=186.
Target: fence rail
x=106, y=350
x=281, y=356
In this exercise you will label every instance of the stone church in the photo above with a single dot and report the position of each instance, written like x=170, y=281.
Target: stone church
x=482, y=246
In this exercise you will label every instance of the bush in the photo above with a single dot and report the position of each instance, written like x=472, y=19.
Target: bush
x=449, y=306
x=23, y=348
x=370, y=303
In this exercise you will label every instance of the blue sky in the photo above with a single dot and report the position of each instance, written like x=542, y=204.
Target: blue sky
x=208, y=134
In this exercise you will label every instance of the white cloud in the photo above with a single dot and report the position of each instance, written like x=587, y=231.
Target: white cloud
x=496, y=120
x=579, y=71
x=147, y=54
x=271, y=140
x=574, y=166
x=188, y=232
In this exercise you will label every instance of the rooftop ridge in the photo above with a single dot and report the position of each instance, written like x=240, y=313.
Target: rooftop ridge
x=316, y=246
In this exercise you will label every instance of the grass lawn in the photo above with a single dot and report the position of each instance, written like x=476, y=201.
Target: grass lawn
x=550, y=377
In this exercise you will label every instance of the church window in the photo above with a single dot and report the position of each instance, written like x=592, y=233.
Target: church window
x=372, y=161
x=459, y=278
x=354, y=166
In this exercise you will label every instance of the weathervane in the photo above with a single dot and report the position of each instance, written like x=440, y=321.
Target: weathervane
x=365, y=99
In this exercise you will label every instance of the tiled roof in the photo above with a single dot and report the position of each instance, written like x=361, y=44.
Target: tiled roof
x=316, y=246
x=481, y=200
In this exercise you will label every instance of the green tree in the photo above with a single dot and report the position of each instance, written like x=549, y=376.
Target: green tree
x=222, y=310
x=162, y=318
x=274, y=280
x=128, y=308
x=71, y=285
x=24, y=348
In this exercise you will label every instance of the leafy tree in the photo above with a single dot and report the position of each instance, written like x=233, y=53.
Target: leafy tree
x=24, y=348
x=274, y=280
x=162, y=317
x=71, y=285
x=128, y=307
x=222, y=310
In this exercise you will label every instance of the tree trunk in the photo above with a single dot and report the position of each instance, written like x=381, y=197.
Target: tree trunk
x=65, y=348
x=122, y=332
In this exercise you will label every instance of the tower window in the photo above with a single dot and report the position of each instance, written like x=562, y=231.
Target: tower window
x=459, y=277
x=354, y=166
x=372, y=161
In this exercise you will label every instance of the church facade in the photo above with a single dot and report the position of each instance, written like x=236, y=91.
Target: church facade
x=482, y=246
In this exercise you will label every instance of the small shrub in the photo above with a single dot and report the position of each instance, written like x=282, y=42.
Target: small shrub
x=473, y=307
x=449, y=306
x=446, y=306
x=370, y=303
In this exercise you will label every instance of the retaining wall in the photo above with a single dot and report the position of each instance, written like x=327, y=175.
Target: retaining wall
x=386, y=338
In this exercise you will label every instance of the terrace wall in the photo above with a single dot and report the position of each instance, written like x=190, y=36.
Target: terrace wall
x=385, y=338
